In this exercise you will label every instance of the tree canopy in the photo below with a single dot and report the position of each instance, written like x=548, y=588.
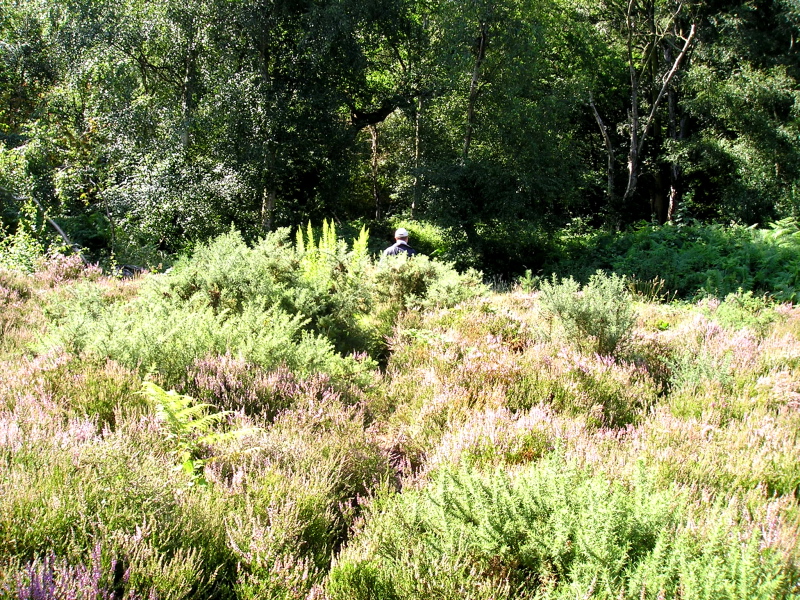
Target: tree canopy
x=156, y=125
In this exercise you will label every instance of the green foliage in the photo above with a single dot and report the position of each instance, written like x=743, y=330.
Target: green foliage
x=746, y=132
x=549, y=531
x=420, y=282
x=604, y=396
x=443, y=476
x=598, y=317
x=191, y=427
x=693, y=259
x=529, y=282
x=21, y=251
x=322, y=285
x=743, y=309
x=314, y=306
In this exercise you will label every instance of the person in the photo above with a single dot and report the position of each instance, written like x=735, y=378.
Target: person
x=400, y=245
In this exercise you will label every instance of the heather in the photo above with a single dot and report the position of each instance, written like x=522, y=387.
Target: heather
x=295, y=419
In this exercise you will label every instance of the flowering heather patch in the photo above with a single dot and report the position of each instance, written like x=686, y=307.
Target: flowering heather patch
x=695, y=421
x=500, y=437
x=55, y=579
x=55, y=269
x=62, y=384
x=233, y=383
x=760, y=451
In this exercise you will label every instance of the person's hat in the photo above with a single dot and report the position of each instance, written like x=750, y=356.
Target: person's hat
x=401, y=233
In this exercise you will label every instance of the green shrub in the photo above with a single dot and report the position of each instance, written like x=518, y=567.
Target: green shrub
x=425, y=237
x=743, y=309
x=15, y=291
x=314, y=306
x=597, y=318
x=319, y=280
x=692, y=259
x=21, y=251
x=528, y=282
x=420, y=282
x=164, y=336
x=551, y=531
x=604, y=393
x=118, y=491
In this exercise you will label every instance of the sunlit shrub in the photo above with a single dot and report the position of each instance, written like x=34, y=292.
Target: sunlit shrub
x=598, y=317
x=604, y=392
x=691, y=259
x=15, y=291
x=743, y=309
x=419, y=282
x=313, y=306
x=550, y=531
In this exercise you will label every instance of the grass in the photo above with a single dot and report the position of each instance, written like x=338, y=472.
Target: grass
x=493, y=456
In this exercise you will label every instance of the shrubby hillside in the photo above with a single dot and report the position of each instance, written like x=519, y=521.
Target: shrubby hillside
x=294, y=419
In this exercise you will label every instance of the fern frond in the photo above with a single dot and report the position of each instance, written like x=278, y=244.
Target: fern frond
x=182, y=416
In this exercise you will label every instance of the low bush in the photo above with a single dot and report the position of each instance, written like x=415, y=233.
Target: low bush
x=551, y=531
x=598, y=317
x=743, y=309
x=313, y=306
x=691, y=259
x=109, y=490
x=15, y=290
x=604, y=393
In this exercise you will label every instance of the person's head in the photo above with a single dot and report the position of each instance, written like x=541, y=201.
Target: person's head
x=401, y=235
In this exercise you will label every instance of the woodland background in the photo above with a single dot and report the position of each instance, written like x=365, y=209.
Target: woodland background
x=143, y=128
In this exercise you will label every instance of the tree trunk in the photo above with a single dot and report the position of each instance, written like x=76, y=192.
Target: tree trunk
x=633, y=114
x=609, y=151
x=376, y=196
x=417, y=154
x=637, y=140
x=474, y=87
x=268, y=196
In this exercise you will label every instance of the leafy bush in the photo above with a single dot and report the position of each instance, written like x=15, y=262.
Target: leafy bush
x=21, y=251
x=692, y=258
x=743, y=309
x=418, y=283
x=424, y=236
x=314, y=306
x=165, y=336
x=116, y=490
x=598, y=318
x=550, y=531
x=604, y=393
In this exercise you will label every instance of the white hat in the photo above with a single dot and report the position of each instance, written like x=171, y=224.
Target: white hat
x=401, y=233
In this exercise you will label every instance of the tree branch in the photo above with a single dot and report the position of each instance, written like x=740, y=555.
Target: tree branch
x=665, y=85
x=609, y=146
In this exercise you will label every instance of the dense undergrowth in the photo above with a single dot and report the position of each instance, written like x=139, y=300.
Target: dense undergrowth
x=688, y=259
x=346, y=428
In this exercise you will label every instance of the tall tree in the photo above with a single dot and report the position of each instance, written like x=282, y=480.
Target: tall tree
x=654, y=38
